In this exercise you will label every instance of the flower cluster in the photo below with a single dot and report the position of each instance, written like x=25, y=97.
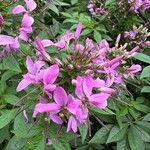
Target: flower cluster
x=92, y=70
x=139, y=5
x=95, y=8
x=12, y=43
x=138, y=36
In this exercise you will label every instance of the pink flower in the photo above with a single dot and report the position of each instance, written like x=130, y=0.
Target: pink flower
x=27, y=21
x=64, y=106
x=33, y=74
x=84, y=91
x=30, y=6
x=131, y=34
x=132, y=70
x=146, y=5
x=135, y=5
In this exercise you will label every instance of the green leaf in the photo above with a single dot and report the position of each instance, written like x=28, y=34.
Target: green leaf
x=101, y=135
x=7, y=74
x=66, y=14
x=22, y=129
x=147, y=117
x=58, y=145
x=4, y=133
x=16, y=144
x=97, y=36
x=145, y=136
x=134, y=139
x=142, y=108
x=86, y=32
x=142, y=57
x=117, y=134
x=145, y=89
x=145, y=73
x=10, y=63
x=105, y=111
x=83, y=131
x=7, y=117
x=123, y=144
x=53, y=8
x=41, y=145
x=144, y=125
x=108, y=2
x=73, y=2
x=11, y=99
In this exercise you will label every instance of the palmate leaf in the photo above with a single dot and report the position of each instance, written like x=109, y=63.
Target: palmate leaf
x=7, y=117
x=16, y=143
x=10, y=63
x=22, y=129
x=123, y=144
x=144, y=125
x=147, y=117
x=117, y=134
x=62, y=141
x=145, y=135
x=101, y=135
x=135, y=139
x=58, y=145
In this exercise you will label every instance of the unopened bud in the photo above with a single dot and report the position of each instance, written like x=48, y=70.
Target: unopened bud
x=70, y=66
x=58, y=61
x=1, y=21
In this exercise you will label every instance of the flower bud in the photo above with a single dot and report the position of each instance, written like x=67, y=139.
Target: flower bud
x=1, y=21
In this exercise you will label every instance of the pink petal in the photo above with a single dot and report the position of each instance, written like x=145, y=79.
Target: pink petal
x=30, y=65
x=79, y=88
x=41, y=48
x=47, y=43
x=41, y=108
x=50, y=87
x=31, y=5
x=38, y=65
x=107, y=90
x=98, y=83
x=82, y=114
x=18, y=9
x=6, y=40
x=78, y=30
x=72, y=124
x=99, y=100
x=56, y=119
x=15, y=45
x=27, y=21
x=49, y=142
x=60, y=96
x=24, y=36
x=51, y=74
x=23, y=84
x=73, y=106
x=87, y=85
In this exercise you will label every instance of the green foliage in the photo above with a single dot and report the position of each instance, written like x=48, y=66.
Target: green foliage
x=123, y=125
